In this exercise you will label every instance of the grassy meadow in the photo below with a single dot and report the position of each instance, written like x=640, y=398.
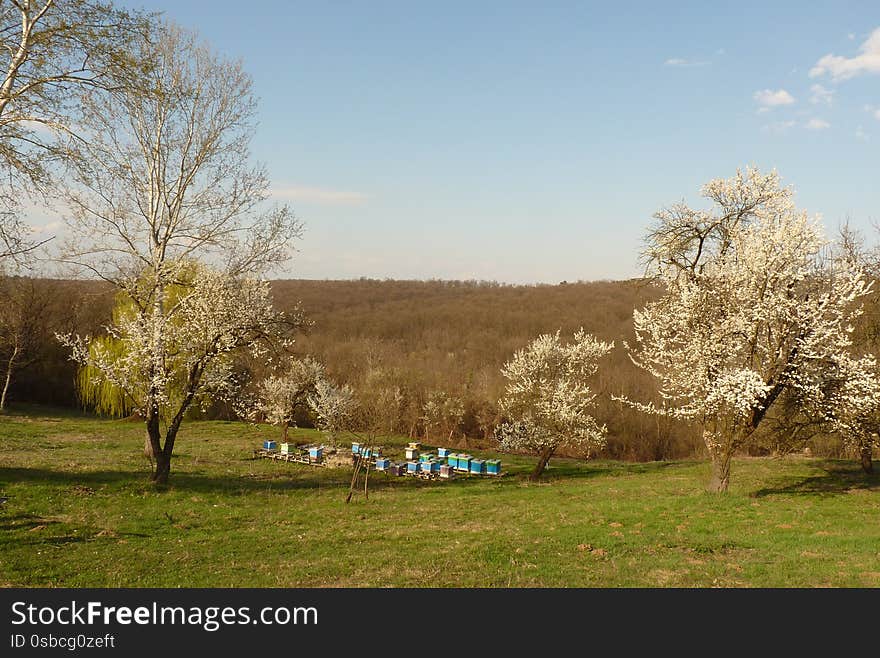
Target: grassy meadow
x=82, y=513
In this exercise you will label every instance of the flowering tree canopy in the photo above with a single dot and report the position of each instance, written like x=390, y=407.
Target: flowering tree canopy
x=281, y=396
x=754, y=305
x=169, y=358
x=548, y=399
x=334, y=407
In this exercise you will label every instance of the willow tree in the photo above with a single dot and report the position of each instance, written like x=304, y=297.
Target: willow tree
x=163, y=179
x=753, y=307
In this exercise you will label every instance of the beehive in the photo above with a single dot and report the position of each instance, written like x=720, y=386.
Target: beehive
x=463, y=463
x=383, y=464
x=443, y=453
x=316, y=453
x=412, y=467
x=478, y=466
x=446, y=471
x=288, y=448
x=355, y=448
x=493, y=467
x=270, y=445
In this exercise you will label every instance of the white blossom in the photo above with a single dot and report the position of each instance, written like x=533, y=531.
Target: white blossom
x=752, y=303
x=547, y=398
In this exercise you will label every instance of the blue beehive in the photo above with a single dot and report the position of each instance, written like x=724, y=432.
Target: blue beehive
x=493, y=467
x=478, y=466
x=355, y=448
x=425, y=467
x=463, y=463
x=435, y=466
x=316, y=452
x=425, y=457
x=443, y=453
x=412, y=468
x=452, y=459
x=270, y=445
x=382, y=464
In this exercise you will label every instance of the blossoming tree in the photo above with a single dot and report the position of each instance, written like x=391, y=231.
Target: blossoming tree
x=548, y=399
x=166, y=362
x=753, y=307
x=281, y=396
x=163, y=180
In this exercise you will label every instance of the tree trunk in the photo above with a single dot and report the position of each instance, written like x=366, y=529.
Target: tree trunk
x=866, y=459
x=9, y=368
x=284, y=431
x=720, y=471
x=154, y=439
x=546, y=453
x=163, y=468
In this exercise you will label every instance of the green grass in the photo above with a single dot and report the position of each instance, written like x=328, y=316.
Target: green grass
x=82, y=513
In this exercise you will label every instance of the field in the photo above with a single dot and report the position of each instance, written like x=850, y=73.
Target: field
x=81, y=513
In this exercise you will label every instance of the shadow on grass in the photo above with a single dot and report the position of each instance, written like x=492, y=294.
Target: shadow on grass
x=190, y=482
x=23, y=521
x=304, y=478
x=838, y=478
x=570, y=469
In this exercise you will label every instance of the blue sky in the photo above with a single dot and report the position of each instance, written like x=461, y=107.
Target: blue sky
x=531, y=142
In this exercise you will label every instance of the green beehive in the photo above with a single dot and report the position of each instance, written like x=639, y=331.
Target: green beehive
x=464, y=463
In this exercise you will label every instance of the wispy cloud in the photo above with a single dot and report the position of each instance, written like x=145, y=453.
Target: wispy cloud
x=780, y=127
x=683, y=62
x=843, y=68
x=817, y=124
x=768, y=98
x=319, y=195
x=820, y=95
x=861, y=135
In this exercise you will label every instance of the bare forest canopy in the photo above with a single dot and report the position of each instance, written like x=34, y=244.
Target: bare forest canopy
x=408, y=340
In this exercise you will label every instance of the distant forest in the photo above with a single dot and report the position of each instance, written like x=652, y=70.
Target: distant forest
x=402, y=343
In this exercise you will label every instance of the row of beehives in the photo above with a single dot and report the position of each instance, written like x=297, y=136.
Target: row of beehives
x=291, y=452
x=443, y=465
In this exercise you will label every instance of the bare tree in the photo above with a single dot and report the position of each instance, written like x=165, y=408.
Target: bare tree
x=163, y=179
x=25, y=306
x=53, y=48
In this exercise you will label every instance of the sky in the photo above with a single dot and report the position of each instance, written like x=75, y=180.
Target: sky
x=527, y=142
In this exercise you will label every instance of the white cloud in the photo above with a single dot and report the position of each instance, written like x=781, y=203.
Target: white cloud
x=818, y=94
x=682, y=62
x=319, y=195
x=861, y=134
x=877, y=114
x=770, y=98
x=851, y=36
x=817, y=124
x=843, y=68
